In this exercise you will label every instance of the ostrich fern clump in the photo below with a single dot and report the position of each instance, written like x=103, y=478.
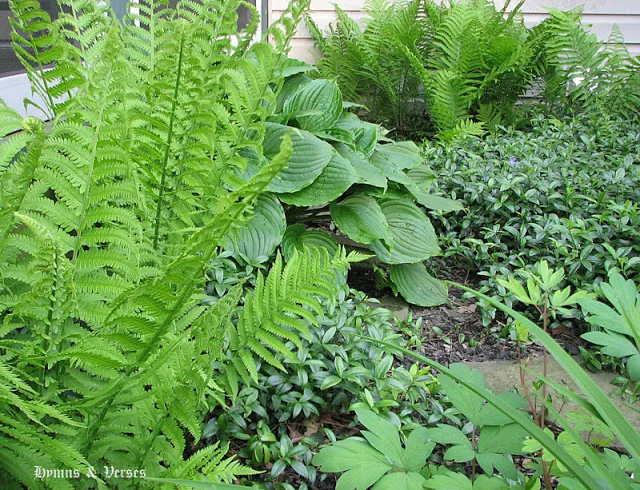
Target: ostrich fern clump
x=109, y=215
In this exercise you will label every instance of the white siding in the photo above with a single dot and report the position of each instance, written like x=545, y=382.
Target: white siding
x=600, y=14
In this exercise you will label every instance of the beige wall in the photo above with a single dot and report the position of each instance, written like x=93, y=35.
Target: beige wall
x=601, y=14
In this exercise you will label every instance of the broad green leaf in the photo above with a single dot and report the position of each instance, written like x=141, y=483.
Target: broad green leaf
x=472, y=405
x=436, y=203
x=362, y=463
x=293, y=66
x=448, y=434
x=256, y=241
x=290, y=87
x=459, y=454
x=401, y=481
x=364, y=134
x=296, y=237
x=417, y=286
x=576, y=468
x=367, y=172
x=382, y=434
x=361, y=478
x=449, y=481
x=612, y=344
x=604, y=316
x=484, y=482
x=422, y=176
x=414, y=238
x=316, y=105
x=309, y=157
x=360, y=218
x=505, y=439
x=402, y=155
x=633, y=367
x=334, y=180
x=418, y=448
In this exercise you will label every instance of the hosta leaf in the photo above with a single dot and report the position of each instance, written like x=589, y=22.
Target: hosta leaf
x=366, y=172
x=417, y=286
x=257, y=240
x=414, y=238
x=297, y=236
x=316, y=105
x=290, y=87
x=437, y=203
x=334, y=180
x=360, y=218
x=309, y=157
x=633, y=367
x=422, y=176
x=364, y=134
x=402, y=155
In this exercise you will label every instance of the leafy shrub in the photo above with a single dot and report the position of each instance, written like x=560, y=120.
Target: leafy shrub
x=566, y=192
x=109, y=217
x=345, y=171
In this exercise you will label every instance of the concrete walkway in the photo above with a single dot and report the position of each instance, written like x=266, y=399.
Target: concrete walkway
x=505, y=376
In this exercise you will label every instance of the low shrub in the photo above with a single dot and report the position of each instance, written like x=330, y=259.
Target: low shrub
x=566, y=192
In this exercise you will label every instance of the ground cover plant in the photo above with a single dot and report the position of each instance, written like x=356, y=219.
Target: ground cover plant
x=456, y=69
x=565, y=191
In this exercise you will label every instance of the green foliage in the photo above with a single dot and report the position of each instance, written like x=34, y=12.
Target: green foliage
x=109, y=218
x=602, y=78
x=459, y=69
x=619, y=336
x=563, y=192
x=332, y=370
x=467, y=61
x=343, y=170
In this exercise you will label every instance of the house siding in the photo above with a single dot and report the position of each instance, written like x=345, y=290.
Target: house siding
x=600, y=14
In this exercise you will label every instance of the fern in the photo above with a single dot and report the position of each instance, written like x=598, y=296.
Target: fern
x=278, y=311
x=109, y=216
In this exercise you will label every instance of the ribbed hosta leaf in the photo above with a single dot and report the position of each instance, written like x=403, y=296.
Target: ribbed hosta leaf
x=309, y=157
x=316, y=105
x=364, y=134
x=297, y=237
x=417, y=286
x=403, y=155
x=414, y=238
x=366, y=172
x=256, y=241
x=360, y=218
x=334, y=180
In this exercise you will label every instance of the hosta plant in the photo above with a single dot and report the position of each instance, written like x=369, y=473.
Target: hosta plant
x=344, y=170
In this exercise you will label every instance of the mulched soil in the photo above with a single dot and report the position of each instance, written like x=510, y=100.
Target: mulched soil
x=454, y=332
